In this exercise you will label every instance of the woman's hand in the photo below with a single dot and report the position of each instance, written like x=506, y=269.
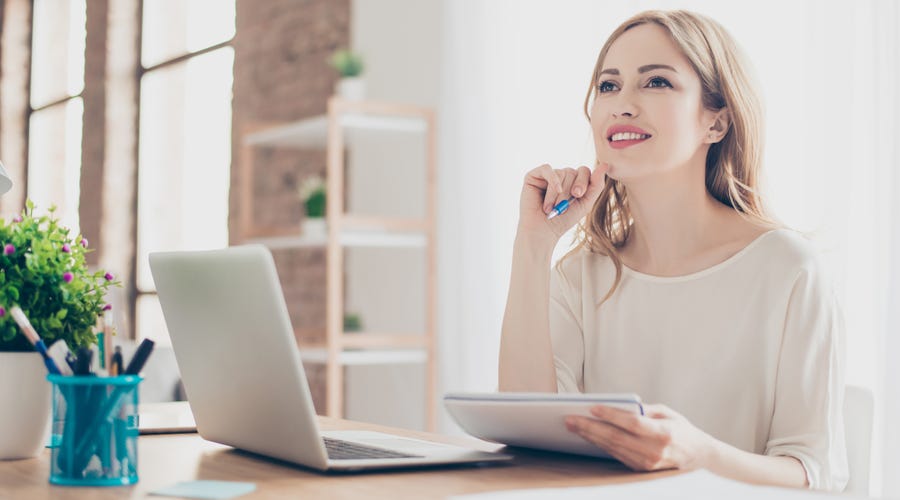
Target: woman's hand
x=545, y=187
x=660, y=439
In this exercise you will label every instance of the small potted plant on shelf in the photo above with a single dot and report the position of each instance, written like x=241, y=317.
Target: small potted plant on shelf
x=312, y=194
x=352, y=322
x=44, y=272
x=349, y=66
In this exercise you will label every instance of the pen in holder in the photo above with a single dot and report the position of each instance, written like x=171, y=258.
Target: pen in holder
x=94, y=432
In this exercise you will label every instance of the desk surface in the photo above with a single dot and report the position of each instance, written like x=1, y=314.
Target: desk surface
x=167, y=459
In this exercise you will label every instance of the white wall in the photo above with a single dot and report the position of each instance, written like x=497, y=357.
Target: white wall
x=400, y=43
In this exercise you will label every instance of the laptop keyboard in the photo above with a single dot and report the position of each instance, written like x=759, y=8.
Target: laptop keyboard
x=345, y=450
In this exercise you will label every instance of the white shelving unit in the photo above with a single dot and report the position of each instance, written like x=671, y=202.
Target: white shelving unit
x=339, y=129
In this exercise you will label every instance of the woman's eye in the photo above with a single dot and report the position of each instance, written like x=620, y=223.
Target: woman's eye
x=658, y=82
x=606, y=87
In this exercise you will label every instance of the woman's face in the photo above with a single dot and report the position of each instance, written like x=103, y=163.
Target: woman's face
x=647, y=115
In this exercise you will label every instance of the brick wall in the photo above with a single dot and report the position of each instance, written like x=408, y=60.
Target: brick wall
x=281, y=74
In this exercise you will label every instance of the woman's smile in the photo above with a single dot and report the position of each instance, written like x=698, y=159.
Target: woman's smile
x=623, y=136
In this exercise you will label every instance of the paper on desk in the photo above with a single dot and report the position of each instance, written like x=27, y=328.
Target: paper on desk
x=206, y=489
x=697, y=485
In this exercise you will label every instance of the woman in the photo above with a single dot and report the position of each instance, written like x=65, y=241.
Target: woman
x=681, y=289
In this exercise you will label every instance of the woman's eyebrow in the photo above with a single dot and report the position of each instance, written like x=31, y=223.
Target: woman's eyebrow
x=642, y=69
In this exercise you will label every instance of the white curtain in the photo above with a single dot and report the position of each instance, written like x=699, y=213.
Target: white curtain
x=514, y=77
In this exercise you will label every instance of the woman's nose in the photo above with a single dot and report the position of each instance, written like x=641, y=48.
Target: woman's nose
x=624, y=105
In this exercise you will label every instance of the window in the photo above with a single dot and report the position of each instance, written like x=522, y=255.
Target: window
x=56, y=107
x=184, y=139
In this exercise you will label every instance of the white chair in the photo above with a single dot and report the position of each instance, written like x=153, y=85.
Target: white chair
x=858, y=412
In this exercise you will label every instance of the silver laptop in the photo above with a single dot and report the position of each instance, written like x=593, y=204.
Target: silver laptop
x=241, y=368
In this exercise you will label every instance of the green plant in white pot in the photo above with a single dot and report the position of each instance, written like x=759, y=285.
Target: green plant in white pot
x=312, y=195
x=349, y=66
x=43, y=271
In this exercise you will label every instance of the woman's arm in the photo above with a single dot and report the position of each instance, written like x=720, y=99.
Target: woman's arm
x=664, y=439
x=526, y=354
x=728, y=461
x=526, y=351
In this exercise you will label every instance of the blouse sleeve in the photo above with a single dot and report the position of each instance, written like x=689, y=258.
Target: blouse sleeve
x=566, y=331
x=807, y=423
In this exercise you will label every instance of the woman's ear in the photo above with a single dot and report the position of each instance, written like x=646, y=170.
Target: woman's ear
x=720, y=125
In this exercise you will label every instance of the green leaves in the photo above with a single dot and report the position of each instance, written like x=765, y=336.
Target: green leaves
x=347, y=63
x=32, y=277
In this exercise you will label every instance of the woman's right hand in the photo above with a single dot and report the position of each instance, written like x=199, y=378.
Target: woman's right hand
x=545, y=187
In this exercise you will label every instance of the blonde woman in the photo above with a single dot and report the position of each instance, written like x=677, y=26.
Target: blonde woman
x=681, y=288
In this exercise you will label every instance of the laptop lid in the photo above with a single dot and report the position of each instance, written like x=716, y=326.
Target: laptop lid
x=232, y=336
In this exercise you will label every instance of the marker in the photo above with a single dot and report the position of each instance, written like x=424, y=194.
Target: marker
x=115, y=364
x=34, y=338
x=140, y=357
x=560, y=208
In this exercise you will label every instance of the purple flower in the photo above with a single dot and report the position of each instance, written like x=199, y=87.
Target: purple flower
x=17, y=219
x=106, y=307
x=65, y=248
x=2, y=312
x=9, y=249
x=109, y=276
x=67, y=277
x=84, y=242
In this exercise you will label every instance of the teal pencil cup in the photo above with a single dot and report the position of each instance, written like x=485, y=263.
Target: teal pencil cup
x=94, y=432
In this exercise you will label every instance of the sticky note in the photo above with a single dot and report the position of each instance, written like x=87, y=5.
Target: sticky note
x=206, y=489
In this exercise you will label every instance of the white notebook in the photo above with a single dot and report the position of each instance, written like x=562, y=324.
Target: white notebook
x=533, y=420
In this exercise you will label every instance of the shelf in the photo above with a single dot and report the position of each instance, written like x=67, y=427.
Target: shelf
x=312, y=133
x=366, y=357
x=348, y=125
x=365, y=239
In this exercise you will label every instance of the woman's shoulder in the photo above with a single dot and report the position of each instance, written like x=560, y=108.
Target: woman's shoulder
x=787, y=248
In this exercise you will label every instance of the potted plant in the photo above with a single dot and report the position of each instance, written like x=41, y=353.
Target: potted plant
x=352, y=322
x=349, y=66
x=312, y=195
x=43, y=271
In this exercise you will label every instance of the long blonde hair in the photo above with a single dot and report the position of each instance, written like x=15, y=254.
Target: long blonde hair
x=732, y=164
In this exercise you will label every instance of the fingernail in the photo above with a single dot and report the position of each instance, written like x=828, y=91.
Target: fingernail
x=578, y=192
x=570, y=422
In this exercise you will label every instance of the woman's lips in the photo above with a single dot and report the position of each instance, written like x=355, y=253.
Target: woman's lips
x=621, y=136
x=626, y=143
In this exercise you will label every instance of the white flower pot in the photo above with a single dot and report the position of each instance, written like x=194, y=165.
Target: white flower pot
x=351, y=88
x=315, y=227
x=24, y=405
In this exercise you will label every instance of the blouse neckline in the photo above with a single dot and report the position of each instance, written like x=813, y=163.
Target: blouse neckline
x=703, y=272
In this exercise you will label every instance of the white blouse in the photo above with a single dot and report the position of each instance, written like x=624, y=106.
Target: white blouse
x=749, y=350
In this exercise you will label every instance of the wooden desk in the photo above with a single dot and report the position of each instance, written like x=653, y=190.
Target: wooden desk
x=167, y=459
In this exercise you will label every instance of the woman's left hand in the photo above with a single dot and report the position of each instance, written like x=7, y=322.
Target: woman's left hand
x=659, y=439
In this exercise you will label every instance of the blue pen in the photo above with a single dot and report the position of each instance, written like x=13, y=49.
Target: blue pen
x=560, y=208
x=34, y=338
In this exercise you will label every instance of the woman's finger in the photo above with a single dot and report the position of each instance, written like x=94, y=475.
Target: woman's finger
x=553, y=178
x=595, y=183
x=543, y=178
x=659, y=411
x=604, y=435
x=568, y=179
x=635, y=451
x=582, y=178
x=626, y=420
